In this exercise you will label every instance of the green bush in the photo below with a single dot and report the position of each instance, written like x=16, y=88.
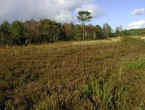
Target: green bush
x=135, y=66
x=106, y=95
x=131, y=40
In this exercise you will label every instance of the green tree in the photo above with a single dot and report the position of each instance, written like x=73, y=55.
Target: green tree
x=107, y=30
x=5, y=33
x=84, y=16
x=32, y=31
x=45, y=30
x=77, y=32
x=99, y=32
x=118, y=30
x=17, y=32
x=68, y=30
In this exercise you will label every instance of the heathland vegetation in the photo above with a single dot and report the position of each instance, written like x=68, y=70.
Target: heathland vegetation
x=65, y=76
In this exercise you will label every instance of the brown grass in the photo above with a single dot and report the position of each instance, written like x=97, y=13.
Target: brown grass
x=51, y=76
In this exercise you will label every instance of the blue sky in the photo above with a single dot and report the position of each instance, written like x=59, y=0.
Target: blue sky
x=118, y=12
x=128, y=13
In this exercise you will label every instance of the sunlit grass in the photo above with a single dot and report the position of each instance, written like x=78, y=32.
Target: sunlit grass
x=101, y=75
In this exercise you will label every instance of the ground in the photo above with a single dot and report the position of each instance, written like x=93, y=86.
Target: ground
x=87, y=75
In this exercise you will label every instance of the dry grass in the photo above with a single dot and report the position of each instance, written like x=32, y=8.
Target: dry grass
x=73, y=76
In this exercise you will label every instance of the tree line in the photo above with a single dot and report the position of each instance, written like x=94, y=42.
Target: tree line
x=136, y=32
x=46, y=30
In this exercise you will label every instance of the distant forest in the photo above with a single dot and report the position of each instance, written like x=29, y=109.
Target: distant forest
x=46, y=30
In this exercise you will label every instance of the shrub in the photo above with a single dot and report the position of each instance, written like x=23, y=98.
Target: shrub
x=106, y=95
x=131, y=40
x=134, y=66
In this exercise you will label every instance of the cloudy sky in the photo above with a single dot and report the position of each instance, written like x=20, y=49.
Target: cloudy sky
x=128, y=13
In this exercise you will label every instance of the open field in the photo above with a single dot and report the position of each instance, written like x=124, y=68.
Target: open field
x=93, y=75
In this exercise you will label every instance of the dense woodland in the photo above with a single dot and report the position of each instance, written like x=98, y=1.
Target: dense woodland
x=46, y=30
x=20, y=33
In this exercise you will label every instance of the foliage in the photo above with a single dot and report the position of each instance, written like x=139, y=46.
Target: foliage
x=5, y=38
x=17, y=33
x=133, y=40
x=107, y=30
x=136, y=66
x=118, y=30
x=84, y=16
x=133, y=32
x=108, y=95
x=45, y=31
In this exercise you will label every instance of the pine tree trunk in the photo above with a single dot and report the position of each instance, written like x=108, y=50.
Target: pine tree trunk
x=83, y=31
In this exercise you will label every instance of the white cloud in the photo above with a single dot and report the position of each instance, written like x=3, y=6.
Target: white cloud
x=139, y=11
x=136, y=24
x=60, y=10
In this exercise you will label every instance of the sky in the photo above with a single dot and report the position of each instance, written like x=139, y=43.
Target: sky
x=129, y=14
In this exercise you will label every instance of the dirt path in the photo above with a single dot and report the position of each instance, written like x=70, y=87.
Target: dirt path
x=97, y=41
x=111, y=40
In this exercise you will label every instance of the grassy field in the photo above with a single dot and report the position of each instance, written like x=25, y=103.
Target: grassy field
x=93, y=75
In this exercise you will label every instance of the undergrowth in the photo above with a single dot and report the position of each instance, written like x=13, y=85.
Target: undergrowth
x=45, y=77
